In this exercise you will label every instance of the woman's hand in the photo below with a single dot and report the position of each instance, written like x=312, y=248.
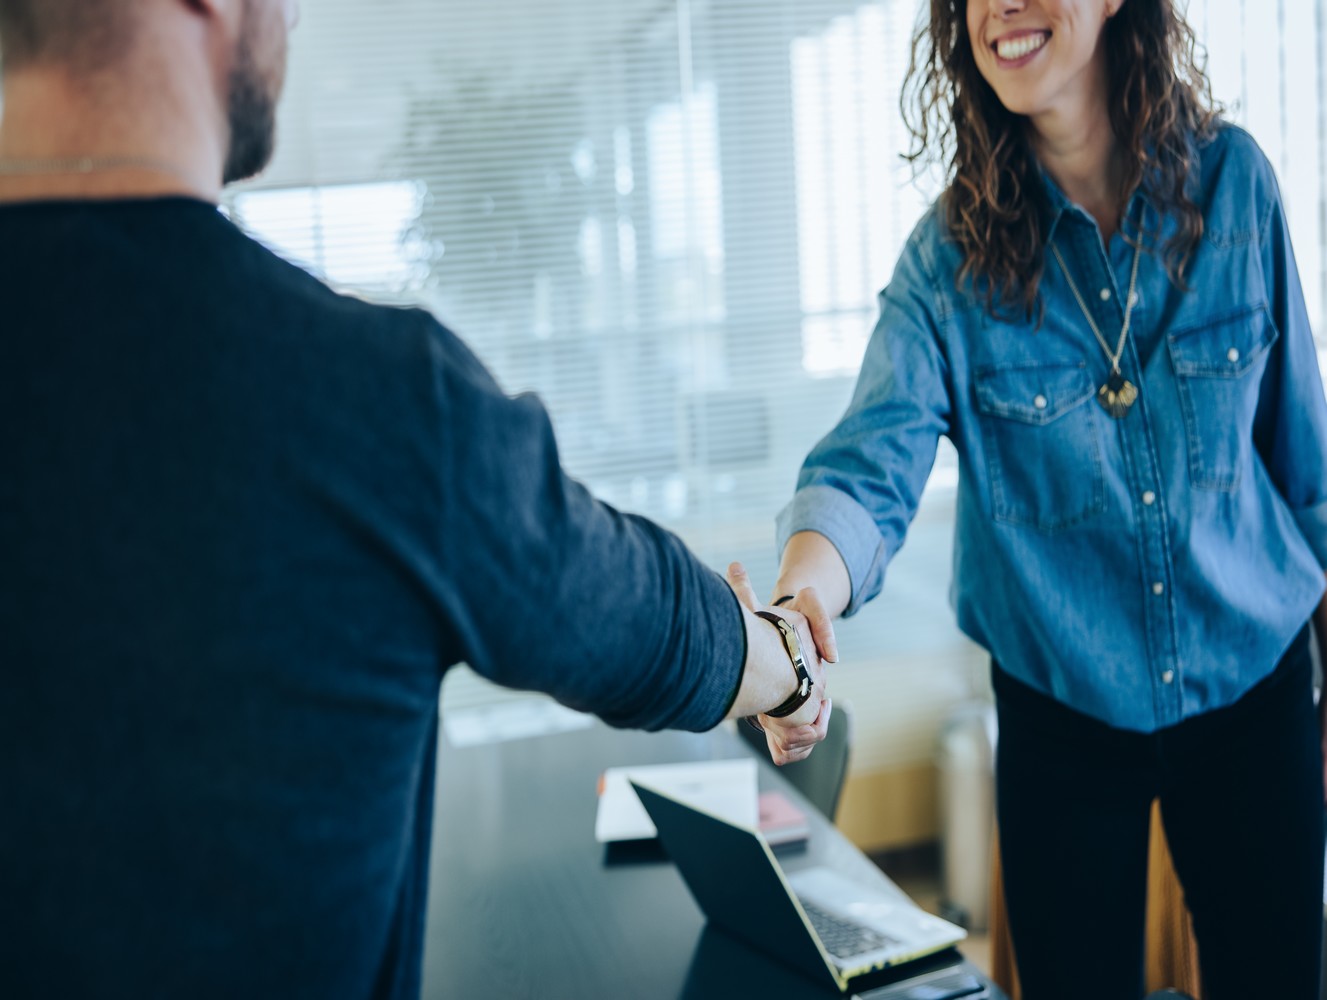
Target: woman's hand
x=807, y=601
x=790, y=740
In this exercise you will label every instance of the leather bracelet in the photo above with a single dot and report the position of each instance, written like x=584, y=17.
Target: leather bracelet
x=793, y=645
x=786, y=597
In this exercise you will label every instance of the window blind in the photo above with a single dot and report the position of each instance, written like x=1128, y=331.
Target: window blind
x=670, y=218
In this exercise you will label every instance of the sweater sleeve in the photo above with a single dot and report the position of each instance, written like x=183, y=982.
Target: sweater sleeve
x=548, y=589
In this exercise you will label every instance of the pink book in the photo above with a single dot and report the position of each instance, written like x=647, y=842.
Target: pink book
x=781, y=822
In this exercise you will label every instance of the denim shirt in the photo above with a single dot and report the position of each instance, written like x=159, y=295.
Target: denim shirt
x=1141, y=570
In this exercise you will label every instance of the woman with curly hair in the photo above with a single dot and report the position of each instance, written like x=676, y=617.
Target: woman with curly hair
x=1102, y=313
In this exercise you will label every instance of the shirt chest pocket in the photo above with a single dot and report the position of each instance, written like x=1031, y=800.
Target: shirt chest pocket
x=1041, y=442
x=1218, y=371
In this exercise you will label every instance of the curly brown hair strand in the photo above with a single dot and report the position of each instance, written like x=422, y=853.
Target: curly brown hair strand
x=1161, y=105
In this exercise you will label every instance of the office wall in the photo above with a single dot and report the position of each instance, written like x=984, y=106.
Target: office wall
x=670, y=218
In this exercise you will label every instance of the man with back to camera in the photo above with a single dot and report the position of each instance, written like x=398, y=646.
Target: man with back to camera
x=246, y=525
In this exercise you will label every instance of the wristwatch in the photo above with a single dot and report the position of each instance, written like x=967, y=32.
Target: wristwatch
x=791, y=642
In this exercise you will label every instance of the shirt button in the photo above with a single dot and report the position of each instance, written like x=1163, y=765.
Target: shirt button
x=1105, y=295
x=1158, y=589
x=1133, y=298
x=1039, y=402
x=1233, y=354
x=1149, y=498
x=1168, y=677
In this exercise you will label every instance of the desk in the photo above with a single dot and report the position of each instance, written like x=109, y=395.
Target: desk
x=515, y=862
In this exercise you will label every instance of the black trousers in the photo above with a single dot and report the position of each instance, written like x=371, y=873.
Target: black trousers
x=1241, y=792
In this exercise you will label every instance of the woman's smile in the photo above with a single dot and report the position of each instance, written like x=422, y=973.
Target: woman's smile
x=1018, y=48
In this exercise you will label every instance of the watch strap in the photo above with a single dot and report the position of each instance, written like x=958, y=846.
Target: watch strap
x=792, y=644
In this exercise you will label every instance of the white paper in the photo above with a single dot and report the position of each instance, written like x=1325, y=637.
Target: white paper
x=510, y=720
x=726, y=788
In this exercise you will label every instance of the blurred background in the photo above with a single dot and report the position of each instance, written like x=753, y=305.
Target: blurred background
x=670, y=219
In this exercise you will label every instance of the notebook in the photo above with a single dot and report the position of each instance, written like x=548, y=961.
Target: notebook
x=831, y=927
x=780, y=822
x=726, y=788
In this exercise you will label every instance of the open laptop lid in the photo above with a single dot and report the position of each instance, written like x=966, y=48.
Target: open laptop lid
x=739, y=885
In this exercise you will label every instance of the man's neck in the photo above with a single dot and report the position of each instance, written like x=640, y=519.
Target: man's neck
x=65, y=139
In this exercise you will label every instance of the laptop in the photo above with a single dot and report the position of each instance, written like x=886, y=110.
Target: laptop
x=830, y=926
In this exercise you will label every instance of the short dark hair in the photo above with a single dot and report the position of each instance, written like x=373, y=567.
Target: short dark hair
x=79, y=34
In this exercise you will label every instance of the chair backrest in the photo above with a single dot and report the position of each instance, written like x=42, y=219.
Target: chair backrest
x=820, y=776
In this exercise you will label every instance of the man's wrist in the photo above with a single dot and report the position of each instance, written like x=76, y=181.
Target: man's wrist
x=792, y=645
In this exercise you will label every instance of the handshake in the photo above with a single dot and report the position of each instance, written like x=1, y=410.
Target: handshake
x=771, y=674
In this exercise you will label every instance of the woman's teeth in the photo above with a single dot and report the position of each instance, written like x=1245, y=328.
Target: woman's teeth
x=1017, y=48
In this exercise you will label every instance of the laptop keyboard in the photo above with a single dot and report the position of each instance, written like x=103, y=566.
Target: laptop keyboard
x=843, y=938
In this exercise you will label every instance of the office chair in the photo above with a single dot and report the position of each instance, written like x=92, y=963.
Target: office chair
x=1171, y=959
x=820, y=776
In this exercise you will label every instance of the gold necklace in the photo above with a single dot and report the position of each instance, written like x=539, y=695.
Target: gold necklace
x=1118, y=393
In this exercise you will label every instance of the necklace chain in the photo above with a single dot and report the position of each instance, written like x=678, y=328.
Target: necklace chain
x=1113, y=358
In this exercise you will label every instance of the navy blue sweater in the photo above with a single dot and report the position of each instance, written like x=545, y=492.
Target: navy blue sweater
x=245, y=526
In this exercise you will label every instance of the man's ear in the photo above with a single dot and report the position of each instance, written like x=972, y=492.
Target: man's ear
x=228, y=13
x=211, y=8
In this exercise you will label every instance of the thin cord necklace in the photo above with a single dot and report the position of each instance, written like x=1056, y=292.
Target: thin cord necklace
x=1118, y=393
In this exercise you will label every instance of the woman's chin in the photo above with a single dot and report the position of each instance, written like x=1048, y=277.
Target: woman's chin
x=1020, y=101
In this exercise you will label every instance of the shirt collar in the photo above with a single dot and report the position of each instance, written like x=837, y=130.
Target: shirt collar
x=1056, y=205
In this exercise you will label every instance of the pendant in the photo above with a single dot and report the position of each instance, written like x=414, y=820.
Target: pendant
x=1117, y=395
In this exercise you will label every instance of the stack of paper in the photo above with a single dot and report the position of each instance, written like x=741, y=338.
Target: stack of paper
x=726, y=788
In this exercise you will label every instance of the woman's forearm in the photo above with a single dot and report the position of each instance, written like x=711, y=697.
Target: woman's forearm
x=811, y=560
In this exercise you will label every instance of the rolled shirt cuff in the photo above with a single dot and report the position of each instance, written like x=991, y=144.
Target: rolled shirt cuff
x=849, y=528
x=1312, y=523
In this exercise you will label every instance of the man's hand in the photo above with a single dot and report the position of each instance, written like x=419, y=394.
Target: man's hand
x=794, y=737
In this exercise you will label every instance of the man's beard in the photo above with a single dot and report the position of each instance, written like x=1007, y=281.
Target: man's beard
x=251, y=108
